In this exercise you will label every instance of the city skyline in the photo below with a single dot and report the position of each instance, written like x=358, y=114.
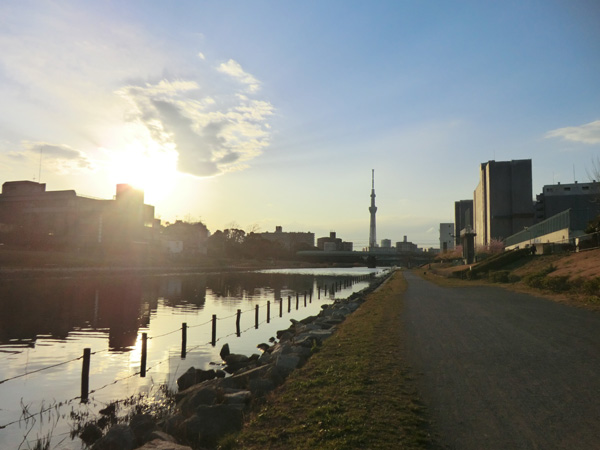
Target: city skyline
x=273, y=114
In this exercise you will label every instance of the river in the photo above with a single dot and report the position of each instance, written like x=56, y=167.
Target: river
x=46, y=323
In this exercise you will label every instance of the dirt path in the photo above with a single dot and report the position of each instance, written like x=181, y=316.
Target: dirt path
x=503, y=370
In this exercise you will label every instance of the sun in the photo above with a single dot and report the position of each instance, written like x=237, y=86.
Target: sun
x=148, y=168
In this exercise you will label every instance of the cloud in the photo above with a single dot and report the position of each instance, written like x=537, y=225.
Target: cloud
x=588, y=133
x=62, y=158
x=212, y=132
x=234, y=69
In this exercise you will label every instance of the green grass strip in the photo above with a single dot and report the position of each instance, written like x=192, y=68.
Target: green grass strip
x=354, y=393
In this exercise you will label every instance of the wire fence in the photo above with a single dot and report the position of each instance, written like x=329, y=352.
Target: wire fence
x=307, y=297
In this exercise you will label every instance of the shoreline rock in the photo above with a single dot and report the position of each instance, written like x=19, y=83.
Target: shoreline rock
x=211, y=405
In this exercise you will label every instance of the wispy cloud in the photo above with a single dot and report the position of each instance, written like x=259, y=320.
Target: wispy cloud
x=588, y=133
x=234, y=69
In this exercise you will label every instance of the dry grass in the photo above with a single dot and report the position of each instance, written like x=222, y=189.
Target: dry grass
x=575, y=266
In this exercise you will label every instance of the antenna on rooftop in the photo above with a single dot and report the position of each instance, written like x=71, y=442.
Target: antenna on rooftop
x=40, y=169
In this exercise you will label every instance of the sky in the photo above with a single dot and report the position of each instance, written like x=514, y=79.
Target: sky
x=254, y=114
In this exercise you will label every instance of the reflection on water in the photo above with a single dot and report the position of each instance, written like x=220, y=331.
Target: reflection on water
x=48, y=321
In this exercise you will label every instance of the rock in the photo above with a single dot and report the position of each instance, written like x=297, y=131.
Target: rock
x=194, y=376
x=224, y=351
x=161, y=436
x=263, y=347
x=159, y=444
x=212, y=423
x=238, y=397
x=118, y=437
x=142, y=425
x=287, y=363
x=261, y=386
x=90, y=433
x=203, y=395
x=284, y=335
x=172, y=424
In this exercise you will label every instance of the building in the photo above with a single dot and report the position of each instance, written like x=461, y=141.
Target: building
x=32, y=217
x=406, y=247
x=583, y=199
x=446, y=237
x=503, y=201
x=386, y=243
x=333, y=243
x=463, y=216
x=293, y=241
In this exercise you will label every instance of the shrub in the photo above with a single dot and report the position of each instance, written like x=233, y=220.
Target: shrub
x=557, y=284
x=591, y=287
x=500, y=276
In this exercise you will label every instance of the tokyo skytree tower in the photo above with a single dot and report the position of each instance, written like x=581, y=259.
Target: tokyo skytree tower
x=372, y=210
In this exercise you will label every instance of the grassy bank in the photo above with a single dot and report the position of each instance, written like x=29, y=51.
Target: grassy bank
x=572, y=278
x=355, y=392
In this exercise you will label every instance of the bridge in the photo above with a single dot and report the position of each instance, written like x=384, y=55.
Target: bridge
x=381, y=258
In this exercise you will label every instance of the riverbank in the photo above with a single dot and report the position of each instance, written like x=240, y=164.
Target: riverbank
x=355, y=393
x=36, y=264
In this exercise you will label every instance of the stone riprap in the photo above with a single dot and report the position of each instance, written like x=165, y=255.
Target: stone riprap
x=211, y=405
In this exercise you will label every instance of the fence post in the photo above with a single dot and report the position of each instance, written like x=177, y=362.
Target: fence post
x=237, y=323
x=183, y=340
x=268, y=312
x=214, y=330
x=305, y=299
x=280, y=306
x=319, y=292
x=144, y=349
x=296, y=301
x=85, y=375
x=256, y=317
x=289, y=303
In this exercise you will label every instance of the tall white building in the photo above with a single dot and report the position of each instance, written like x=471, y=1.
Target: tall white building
x=446, y=237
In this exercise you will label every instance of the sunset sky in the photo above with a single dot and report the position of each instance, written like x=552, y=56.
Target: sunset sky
x=262, y=113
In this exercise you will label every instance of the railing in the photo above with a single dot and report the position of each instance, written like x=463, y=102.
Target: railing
x=87, y=353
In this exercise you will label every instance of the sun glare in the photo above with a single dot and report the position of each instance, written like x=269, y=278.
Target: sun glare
x=153, y=171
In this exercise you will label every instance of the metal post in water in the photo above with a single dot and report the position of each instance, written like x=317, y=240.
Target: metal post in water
x=256, y=318
x=237, y=323
x=214, y=330
x=85, y=375
x=144, y=349
x=268, y=312
x=280, y=307
x=183, y=340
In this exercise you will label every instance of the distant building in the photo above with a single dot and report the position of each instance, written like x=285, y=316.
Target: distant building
x=502, y=203
x=34, y=218
x=406, y=247
x=386, y=243
x=583, y=199
x=463, y=216
x=446, y=237
x=333, y=243
x=292, y=241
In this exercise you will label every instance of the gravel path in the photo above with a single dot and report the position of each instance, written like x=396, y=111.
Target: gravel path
x=503, y=370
